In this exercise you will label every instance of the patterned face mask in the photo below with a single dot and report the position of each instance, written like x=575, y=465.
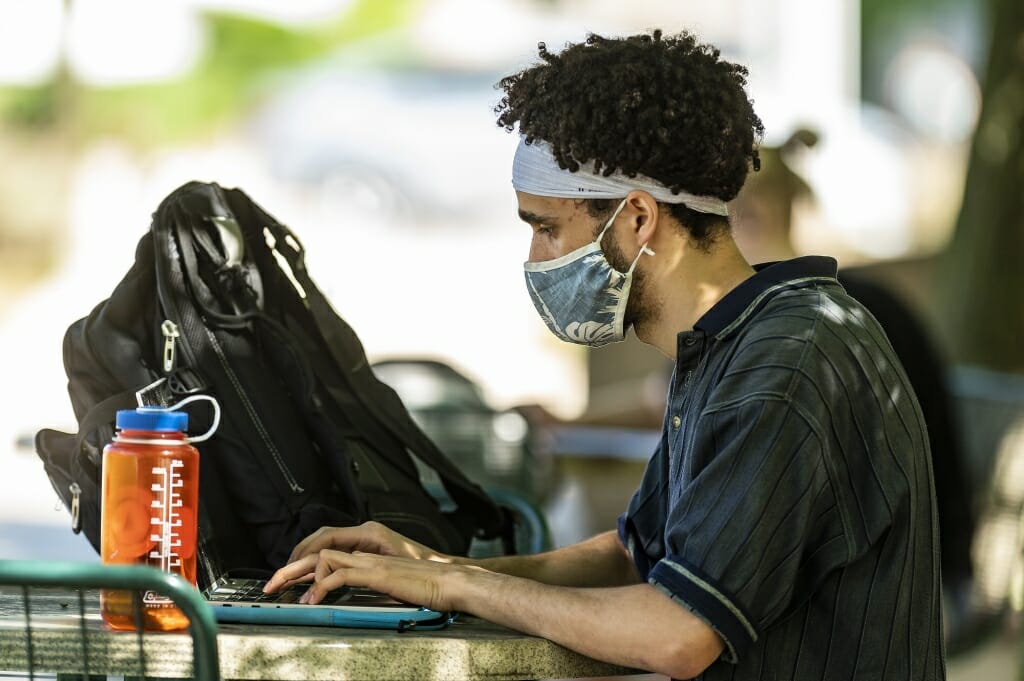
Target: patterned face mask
x=580, y=296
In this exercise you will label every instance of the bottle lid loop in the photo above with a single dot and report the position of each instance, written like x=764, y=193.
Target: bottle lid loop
x=167, y=419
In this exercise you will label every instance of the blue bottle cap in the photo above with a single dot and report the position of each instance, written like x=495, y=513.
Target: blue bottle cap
x=159, y=420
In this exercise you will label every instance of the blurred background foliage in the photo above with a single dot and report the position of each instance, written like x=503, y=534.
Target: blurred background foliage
x=49, y=124
x=982, y=280
x=241, y=53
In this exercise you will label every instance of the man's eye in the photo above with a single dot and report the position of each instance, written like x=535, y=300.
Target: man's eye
x=544, y=229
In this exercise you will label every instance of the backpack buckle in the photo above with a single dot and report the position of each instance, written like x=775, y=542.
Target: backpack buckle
x=76, y=515
x=166, y=390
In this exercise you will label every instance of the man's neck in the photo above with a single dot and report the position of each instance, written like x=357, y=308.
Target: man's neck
x=689, y=285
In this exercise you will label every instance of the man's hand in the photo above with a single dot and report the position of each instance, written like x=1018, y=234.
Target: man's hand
x=422, y=582
x=370, y=537
x=369, y=555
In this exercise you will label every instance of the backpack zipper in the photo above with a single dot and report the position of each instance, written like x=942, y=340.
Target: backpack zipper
x=253, y=416
x=170, y=331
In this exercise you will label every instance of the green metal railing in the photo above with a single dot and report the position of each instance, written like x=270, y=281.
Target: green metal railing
x=202, y=625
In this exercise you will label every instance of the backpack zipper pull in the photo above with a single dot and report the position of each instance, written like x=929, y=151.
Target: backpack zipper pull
x=170, y=331
x=76, y=518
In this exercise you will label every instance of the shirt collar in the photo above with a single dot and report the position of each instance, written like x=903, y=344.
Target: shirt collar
x=769, y=278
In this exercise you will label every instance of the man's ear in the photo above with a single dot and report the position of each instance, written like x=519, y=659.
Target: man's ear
x=643, y=213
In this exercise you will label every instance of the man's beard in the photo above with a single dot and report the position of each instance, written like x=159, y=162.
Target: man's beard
x=639, y=309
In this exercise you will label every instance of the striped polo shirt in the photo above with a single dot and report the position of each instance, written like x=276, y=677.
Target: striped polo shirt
x=790, y=504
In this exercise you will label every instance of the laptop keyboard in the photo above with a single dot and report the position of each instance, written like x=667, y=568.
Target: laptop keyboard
x=251, y=591
x=232, y=590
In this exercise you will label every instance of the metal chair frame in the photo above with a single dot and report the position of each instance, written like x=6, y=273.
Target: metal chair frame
x=534, y=524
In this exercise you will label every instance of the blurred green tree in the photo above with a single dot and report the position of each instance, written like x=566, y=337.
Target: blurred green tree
x=241, y=53
x=983, y=277
x=44, y=127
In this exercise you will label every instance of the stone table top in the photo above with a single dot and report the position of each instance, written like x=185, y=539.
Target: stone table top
x=69, y=636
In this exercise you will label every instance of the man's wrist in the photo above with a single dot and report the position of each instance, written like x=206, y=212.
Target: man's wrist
x=466, y=584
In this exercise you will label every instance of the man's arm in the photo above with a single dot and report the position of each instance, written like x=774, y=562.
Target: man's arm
x=599, y=561
x=634, y=626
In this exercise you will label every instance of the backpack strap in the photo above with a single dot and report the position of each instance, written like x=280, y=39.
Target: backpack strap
x=478, y=510
x=103, y=413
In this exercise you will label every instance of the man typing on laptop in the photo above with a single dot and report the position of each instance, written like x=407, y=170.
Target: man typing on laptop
x=785, y=527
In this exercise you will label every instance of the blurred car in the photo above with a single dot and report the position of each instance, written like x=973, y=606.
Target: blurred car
x=406, y=142
x=494, y=448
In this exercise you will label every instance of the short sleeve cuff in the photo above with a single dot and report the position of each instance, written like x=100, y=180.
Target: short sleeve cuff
x=686, y=585
x=628, y=537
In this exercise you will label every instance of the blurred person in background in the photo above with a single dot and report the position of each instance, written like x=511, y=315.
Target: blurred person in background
x=762, y=220
x=785, y=526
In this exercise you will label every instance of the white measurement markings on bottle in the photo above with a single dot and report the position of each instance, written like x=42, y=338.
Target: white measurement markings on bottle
x=167, y=517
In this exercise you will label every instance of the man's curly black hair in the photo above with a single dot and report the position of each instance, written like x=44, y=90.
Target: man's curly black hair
x=667, y=107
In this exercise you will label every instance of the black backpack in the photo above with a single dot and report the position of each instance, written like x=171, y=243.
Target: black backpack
x=219, y=302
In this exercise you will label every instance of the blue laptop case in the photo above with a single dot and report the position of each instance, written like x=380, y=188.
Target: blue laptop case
x=243, y=601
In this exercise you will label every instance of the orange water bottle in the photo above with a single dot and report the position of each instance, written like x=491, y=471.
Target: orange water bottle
x=149, y=512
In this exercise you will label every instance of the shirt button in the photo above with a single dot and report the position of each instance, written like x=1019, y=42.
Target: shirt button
x=689, y=340
x=676, y=421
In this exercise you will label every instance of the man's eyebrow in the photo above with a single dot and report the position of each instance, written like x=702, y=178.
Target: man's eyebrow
x=534, y=218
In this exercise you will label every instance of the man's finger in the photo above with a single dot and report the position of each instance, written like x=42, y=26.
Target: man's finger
x=336, y=538
x=335, y=569
x=292, y=582
x=329, y=575
x=311, y=544
x=293, y=572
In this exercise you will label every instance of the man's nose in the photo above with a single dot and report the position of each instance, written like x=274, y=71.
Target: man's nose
x=540, y=251
x=534, y=254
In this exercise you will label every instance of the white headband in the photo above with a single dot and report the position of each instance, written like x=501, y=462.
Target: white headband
x=535, y=171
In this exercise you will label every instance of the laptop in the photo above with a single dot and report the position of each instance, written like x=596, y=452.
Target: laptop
x=236, y=596
x=241, y=600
